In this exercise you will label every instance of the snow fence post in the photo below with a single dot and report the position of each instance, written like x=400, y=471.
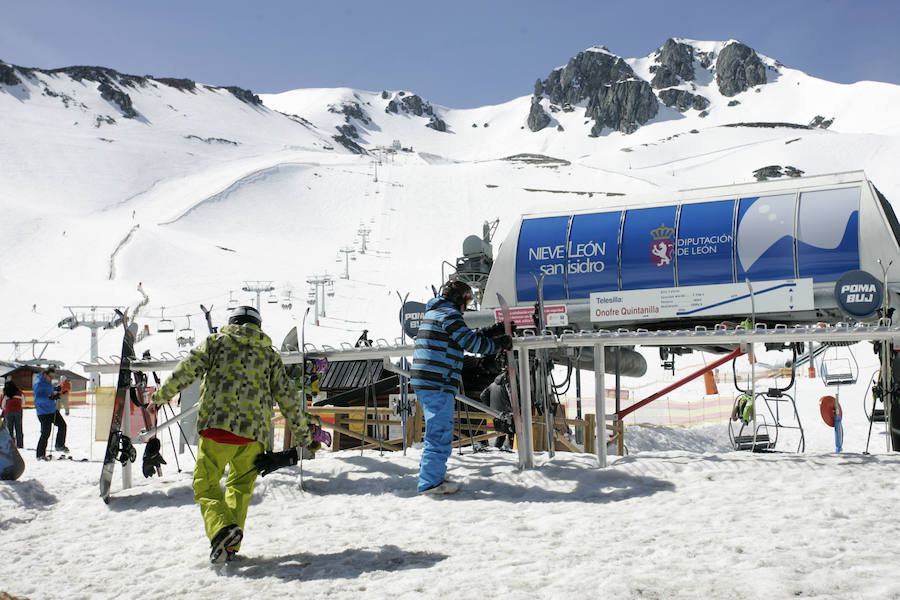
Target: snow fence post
x=600, y=403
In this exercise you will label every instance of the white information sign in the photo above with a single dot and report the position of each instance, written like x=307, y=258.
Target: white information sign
x=703, y=300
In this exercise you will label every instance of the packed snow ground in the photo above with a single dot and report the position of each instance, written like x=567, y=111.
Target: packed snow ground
x=206, y=192
x=681, y=516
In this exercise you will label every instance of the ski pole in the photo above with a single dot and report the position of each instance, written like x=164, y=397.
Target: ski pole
x=187, y=442
x=174, y=449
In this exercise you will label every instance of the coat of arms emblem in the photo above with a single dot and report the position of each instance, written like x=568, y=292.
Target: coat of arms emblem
x=662, y=248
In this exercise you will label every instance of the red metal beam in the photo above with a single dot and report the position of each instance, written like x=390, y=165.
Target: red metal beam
x=627, y=411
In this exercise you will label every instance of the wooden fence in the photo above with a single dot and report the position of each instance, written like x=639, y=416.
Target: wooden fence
x=383, y=429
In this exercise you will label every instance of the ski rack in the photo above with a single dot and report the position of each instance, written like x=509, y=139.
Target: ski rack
x=599, y=340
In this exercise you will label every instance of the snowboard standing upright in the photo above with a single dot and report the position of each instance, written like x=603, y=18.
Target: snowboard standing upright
x=11, y=463
x=119, y=447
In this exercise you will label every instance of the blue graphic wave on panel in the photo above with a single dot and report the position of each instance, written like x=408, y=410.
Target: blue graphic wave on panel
x=828, y=264
x=777, y=262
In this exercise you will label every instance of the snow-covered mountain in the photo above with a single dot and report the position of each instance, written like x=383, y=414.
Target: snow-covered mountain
x=109, y=180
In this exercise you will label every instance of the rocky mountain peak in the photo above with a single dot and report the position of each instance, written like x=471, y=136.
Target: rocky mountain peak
x=674, y=64
x=616, y=97
x=738, y=68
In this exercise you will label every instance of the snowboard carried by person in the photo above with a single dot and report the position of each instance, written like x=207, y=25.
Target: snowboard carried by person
x=118, y=446
x=11, y=463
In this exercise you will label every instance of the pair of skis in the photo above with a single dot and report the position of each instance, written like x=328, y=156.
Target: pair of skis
x=513, y=382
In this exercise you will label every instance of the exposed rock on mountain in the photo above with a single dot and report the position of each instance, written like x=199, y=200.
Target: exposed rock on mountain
x=623, y=107
x=185, y=85
x=616, y=97
x=821, y=122
x=537, y=117
x=437, y=124
x=111, y=83
x=350, y=110
x=244, y=95
x=683, y=100
x=414, y=105
x=738, y=68
x=349, y=144
x=349, y=131
x=774, y=171
x=675, y=64
x=8, y=75
x=116, y=96
x=99, y=75
x=584, y=75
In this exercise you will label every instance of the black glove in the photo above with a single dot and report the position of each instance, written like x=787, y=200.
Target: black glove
x=57, y=388
x=504, y=342
x=494, y=330
x=152, y=457
x=505, y=424
x=267, y=461
x=54, y=397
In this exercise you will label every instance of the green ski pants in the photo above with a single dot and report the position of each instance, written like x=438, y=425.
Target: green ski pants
x=220, y=509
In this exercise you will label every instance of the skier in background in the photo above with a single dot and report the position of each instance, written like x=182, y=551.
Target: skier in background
x=45, y=399
x=242, y=378
x=436, y=368
x=11, y=404
x=363, y=341
x=65, y=387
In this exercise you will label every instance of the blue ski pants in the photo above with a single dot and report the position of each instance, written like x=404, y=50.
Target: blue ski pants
x=437, y=408
x=220, y=509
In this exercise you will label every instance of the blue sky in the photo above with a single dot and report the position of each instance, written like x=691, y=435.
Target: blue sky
x=459, y=54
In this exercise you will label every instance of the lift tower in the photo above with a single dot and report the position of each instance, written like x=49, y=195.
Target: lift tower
x=94, y=318
x=259, y=287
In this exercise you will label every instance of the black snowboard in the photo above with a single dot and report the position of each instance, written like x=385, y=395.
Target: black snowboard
x=119, y=447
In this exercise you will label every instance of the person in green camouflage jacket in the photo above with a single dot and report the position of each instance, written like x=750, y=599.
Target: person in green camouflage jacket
x=241, y=379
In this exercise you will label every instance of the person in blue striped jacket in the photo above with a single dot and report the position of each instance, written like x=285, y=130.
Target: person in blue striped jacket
x=437, y=362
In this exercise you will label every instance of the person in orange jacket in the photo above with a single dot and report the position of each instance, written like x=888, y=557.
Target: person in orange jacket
x=65, y=386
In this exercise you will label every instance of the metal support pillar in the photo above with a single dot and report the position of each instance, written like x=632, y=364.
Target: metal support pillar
x=524, y=438
x=600, y=402
x=94, y=381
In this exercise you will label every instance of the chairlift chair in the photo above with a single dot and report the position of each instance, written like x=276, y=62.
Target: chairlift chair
x=232, y=303
x=838, y=370
x=273, y=299
x=768, y=412
x=186, y=335
x=165, y=325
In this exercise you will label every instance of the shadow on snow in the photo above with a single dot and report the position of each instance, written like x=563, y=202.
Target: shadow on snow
x=348, y=564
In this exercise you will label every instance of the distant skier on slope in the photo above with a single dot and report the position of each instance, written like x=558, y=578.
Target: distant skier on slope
x=437, y=362
x=242, y=378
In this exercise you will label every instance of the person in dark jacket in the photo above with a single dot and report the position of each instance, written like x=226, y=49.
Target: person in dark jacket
x=45, y=398
x=436, y=377
x=12, y=402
